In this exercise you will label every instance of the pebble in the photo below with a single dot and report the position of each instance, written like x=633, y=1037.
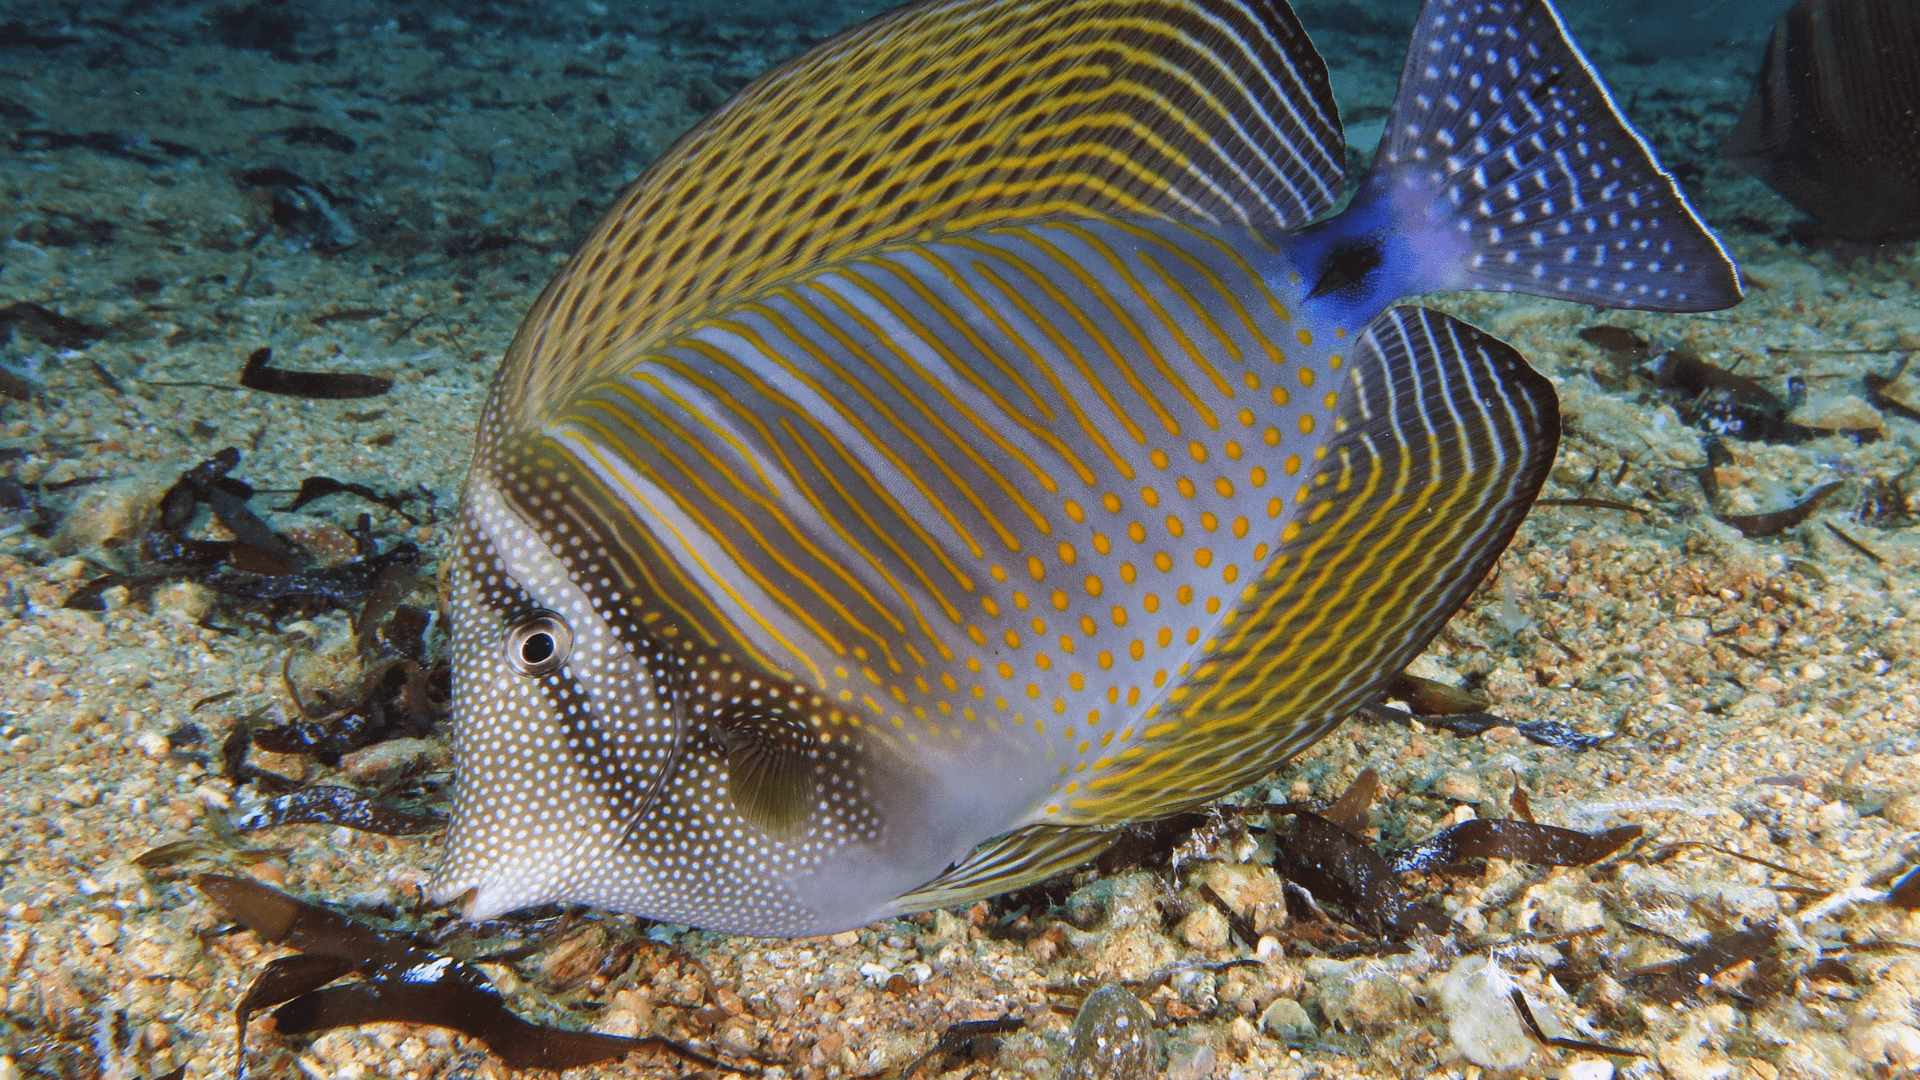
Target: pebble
x=1588, y=1069
x=1288, y=1022
x=386, y=761
x=1205, y=928
x=1459, y=787
x=1112, y=1039
x=1481, y=1020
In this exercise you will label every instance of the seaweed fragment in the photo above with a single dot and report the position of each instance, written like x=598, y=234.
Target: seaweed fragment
x=1620, y=340
x=1878, y=395
x=16, y=387
x=393, y=701
x=1545, y=732
x=1680, y=979
x=1429, y=697
x=1332, y=864
x=46, y=326
x=131, y=147
x=1513, y=840
x=319, y=487
x=1533, y=1028
x=329, y=385
x=348, y=315
x=314, y=135
x=239, y=771
x=1774, y=522
x=402, y=982
x=963, y=1042
x=333, y=804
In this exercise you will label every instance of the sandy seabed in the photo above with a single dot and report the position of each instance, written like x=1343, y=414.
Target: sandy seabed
x=1762, y=690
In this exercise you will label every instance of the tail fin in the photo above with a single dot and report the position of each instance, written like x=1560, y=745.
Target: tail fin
x=1503, y=137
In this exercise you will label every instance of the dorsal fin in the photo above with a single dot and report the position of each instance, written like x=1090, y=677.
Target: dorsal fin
x=940, y=117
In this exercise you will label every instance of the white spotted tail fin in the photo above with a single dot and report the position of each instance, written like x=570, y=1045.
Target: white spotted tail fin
x=1504, y=141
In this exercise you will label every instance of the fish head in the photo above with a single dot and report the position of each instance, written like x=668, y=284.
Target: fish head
x=615, y=759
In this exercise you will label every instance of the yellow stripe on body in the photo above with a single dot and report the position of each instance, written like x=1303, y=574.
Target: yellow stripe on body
x=1060, y=342
x=588, y=449
x=947, y=607
x=767, y=393
x=772, y=446
x=733, y=404
x=958, y=280
x=1007, y=538
x=1469, y=453
x=1186, y=343
x=873, y=400
x=774, y=551
x=932, y=340
x=1213, y=111
x=720, y=540
x=1127, y=324
x=550, y=453
x=832, y=520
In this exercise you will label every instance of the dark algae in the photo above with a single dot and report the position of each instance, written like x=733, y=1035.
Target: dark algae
x=259, y=374
x=401, y=982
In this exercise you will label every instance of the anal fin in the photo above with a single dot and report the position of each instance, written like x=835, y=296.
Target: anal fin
x=1017, y=859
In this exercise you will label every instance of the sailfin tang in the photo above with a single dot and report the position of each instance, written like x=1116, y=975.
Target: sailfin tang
x=1506, y=151
x=943, y=117
x=1443, y=438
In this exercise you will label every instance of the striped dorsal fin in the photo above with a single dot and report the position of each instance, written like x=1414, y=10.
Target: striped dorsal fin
x=1443, y=439
x=938, y=118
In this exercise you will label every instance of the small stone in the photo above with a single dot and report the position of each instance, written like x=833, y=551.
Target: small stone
x=1903, y=810
x=1134, y=953
x=102, y=932
x=78, y=793
x=152, y=744
x=1193, y=1063
x=845, y=939
x=1838, y=412
x=1459, y=787
x=1588, y=1069
x=111, y=516
x=1112, y=1039
x=188, y=600
x=1286, y=1021
x=384, y=762
x=1481, y=1020
x=1686, y=1058
x=1205, y=928
x=1361, y=1002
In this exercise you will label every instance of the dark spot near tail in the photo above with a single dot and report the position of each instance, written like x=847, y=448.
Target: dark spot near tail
x=1347, y=267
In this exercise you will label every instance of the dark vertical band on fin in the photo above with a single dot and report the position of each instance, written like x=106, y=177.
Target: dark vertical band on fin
x=1502, y=135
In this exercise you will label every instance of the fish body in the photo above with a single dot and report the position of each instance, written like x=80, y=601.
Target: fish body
x=967, y=441
x=1833, y=120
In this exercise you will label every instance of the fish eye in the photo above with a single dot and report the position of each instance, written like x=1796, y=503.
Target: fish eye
x=539, y=645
